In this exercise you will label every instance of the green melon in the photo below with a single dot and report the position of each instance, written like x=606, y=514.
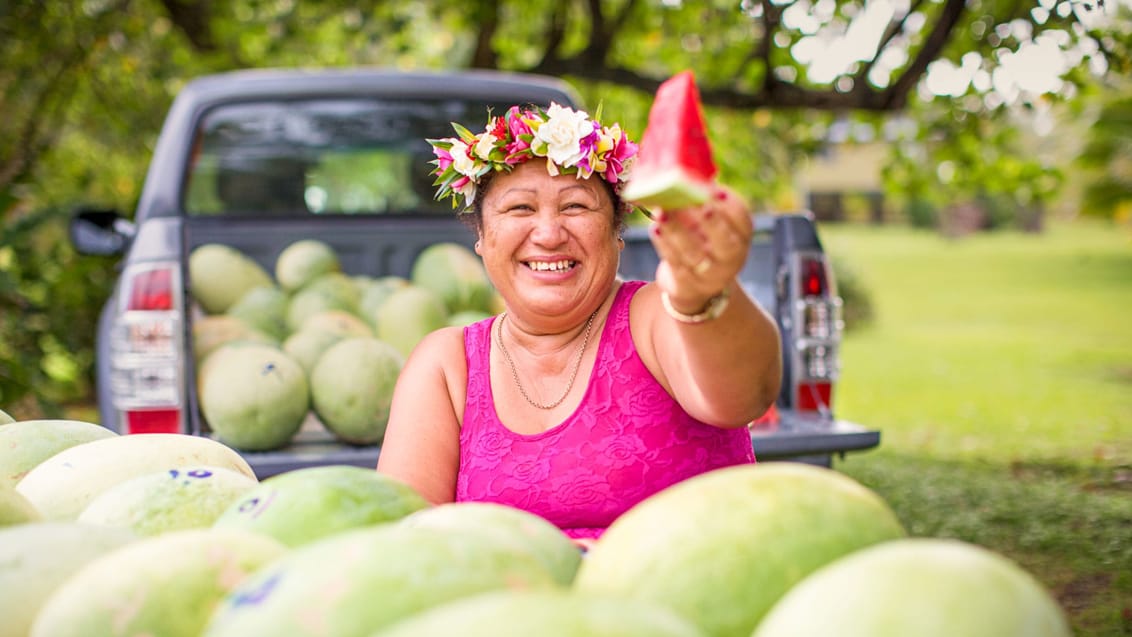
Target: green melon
x=37, y=558
x=721, y=548
x=165, y=585
x=674, y=168
x=219, y=275
x=25, y=444
x=375, y=293
x=64, y=484
x=304, y=505
x=361, y=581
x=546, y=541
x=332, y=291
x=338, y=322
x=408, y=315
x=254, y=397
x=918, y=586
x=455, y=274
x=265, y=310
x=467, y=317
x=5, y=418
x=15, y=508
x=545, y=614
x=351, y=388
x=303, y=261
x=168, y=500
x=211, y=332
x=307, y=346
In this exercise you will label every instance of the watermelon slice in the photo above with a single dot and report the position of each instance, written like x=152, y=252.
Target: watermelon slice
x=674, y=168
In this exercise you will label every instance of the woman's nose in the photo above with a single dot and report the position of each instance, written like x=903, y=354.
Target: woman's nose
x=548, y=230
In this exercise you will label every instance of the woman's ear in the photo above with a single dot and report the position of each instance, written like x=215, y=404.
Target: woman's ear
x=477, y=246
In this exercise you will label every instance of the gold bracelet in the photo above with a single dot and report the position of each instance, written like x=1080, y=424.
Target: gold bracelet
x=715, y=306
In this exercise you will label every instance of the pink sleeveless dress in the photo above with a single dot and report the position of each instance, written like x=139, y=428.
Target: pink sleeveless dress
x=627, y=439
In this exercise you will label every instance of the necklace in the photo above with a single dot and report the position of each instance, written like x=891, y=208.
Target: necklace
x=573, y=374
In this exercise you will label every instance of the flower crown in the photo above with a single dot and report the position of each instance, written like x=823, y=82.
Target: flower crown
x=571, y=142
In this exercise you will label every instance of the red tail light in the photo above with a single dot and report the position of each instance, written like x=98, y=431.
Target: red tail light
x=814, y=396
x=151, y=290
x=153, y=421
x=813, y=276
x=146, y=353
x=816, y=327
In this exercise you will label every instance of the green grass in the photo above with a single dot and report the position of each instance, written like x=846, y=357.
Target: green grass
x=999, y=370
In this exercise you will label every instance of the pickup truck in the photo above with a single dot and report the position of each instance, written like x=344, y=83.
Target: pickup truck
x=258, y=159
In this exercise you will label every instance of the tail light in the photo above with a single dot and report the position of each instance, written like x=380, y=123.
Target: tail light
x=147, y=369
x=816, y=329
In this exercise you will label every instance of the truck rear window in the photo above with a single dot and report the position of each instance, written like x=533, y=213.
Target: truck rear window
x=322, y=157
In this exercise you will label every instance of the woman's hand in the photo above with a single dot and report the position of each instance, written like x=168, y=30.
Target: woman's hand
x=702, y=249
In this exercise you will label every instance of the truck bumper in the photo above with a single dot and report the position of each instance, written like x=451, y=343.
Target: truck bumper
x=812, y=441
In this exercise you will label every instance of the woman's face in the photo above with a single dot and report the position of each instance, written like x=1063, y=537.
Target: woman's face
x=549, y=243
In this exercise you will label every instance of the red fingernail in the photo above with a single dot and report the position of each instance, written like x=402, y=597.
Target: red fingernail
x=662, y=217
x=721, y=195
x=656, y=230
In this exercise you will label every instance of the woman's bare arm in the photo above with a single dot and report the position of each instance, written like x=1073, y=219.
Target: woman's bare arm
x=422, y=440
x=726, y=371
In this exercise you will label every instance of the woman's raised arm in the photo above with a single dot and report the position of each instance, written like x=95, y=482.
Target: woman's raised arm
x=715, y=350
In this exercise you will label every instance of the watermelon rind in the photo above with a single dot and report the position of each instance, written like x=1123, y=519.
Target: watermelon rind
x=671, y=189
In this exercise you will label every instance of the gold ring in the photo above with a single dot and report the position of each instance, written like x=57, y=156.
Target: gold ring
x=702, y=266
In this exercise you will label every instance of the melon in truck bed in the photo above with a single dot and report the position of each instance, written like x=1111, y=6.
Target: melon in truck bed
x=674, y=168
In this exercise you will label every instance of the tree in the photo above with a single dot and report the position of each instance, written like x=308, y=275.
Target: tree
x=85, y=86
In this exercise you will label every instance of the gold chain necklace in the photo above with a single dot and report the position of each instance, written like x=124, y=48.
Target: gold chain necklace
x=573, y=374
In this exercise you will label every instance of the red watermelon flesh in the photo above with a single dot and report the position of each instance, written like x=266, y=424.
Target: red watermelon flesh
x=674, y=168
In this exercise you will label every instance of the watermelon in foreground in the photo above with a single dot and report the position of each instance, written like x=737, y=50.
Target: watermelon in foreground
x=304, y=505
x=166, y=585
x=358, y=582
x=918, y=586
x=546, y=614
x=64, y=484
x=723, y=547
x=37, y=558
x=25, y=444
x=675, y=168
x=545, y=541
x=168, y=500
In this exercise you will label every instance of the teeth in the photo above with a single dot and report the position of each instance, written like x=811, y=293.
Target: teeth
x=551, y=266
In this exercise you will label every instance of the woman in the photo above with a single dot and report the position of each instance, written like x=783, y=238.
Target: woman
x=588, y=393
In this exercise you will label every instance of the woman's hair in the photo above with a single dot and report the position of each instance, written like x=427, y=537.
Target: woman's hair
x=473, y=216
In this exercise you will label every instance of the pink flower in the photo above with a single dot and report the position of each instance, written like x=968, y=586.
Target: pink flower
x=618, y=160
x=443, y=159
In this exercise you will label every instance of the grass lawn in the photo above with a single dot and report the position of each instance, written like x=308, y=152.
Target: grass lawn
x=999, y=370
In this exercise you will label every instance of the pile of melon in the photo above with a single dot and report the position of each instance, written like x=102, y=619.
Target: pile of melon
x=166, y=534
x=273, y=348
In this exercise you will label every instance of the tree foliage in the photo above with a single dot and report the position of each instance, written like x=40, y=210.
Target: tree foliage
x=86, y=85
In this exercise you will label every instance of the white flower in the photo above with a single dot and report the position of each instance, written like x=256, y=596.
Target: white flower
x=460, y=161
x=468, y=191
x=485, y=145
x=562, y=133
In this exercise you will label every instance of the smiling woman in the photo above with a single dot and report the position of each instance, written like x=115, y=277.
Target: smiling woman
x=587, y=394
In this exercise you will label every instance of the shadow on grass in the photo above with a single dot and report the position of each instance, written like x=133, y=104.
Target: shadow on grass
x=1070, y=526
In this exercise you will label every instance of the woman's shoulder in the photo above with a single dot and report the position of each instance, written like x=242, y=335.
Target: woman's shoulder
x=440, y=343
